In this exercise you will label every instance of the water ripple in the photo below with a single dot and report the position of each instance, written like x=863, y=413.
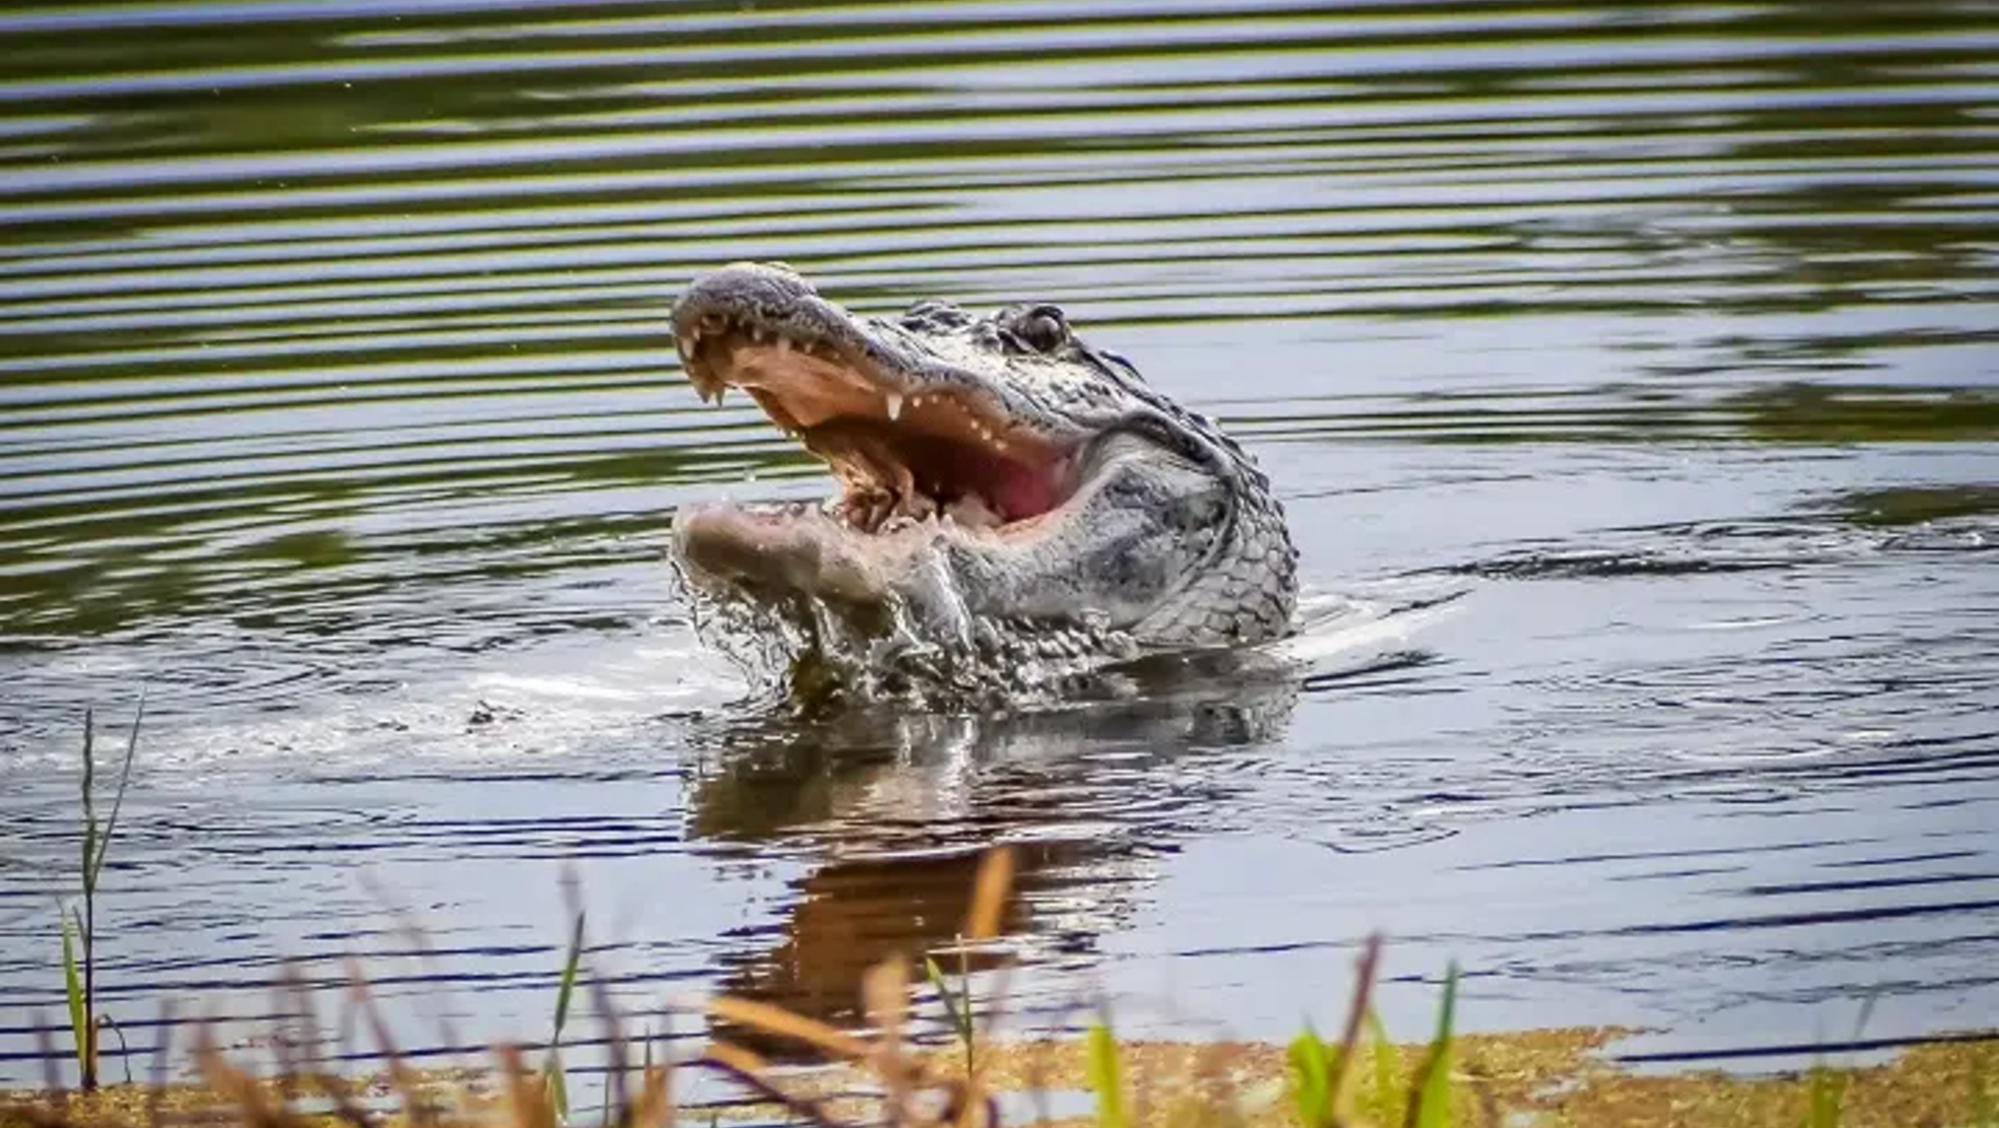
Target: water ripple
x=337, y=411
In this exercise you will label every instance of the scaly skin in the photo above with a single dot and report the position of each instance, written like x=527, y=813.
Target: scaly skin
x=1170, y=537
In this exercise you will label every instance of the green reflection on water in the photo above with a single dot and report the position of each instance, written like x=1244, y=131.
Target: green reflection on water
x=1916, y=505
x=1810, y=413
x=433, y=248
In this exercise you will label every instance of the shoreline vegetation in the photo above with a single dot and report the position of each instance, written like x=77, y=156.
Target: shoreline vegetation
x=893, y=1076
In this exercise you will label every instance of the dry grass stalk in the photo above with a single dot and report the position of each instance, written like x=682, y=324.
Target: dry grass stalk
x=885, y=990
x=418, y=1108
x=1366, y=967
x=831, y=1041
x=51, y=1071
x=526, y=1099
x=654, y=1107
x=614, y=1040
x=754, y=1074
x=156, y=1094
x=255, y=1108
x=311, y=1034
x=990, y=890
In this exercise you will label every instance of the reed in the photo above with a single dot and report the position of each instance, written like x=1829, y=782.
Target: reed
x=79, y=922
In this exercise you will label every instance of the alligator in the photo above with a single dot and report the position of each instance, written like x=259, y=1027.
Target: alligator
x=999, y=477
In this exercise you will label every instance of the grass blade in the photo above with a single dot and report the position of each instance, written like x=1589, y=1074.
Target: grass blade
x=1430, y=1106
x=89, y=800
x=1338, y=1103
x=553, y=1081
x=96, y=862
x=568, y=988
x=1866, y=1013
x=1106, y=1077
x=954, y=1007
x=1825, y=1098
x=1312, y=1070
x=957, y=1006
x=557, y=1085
x=79, y=1010
x=87, y=871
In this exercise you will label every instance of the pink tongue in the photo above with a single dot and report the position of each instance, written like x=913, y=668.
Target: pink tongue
x=1020, y=493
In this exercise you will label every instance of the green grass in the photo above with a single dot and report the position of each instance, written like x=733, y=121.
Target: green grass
x=1984, y=1114
x=554, y=1080
x=1319, y=1071
x=79, y=923
x=1313, y=1065
x=1430, y=1097
x=957, y=1004
x=1106, y=1072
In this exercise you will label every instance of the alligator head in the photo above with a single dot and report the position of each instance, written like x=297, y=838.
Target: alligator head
x=993, y=470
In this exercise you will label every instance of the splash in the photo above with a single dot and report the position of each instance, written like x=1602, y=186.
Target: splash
x=818, y=655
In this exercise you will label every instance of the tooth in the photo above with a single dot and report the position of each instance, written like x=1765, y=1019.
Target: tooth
x=783, y=344
x=894, y=406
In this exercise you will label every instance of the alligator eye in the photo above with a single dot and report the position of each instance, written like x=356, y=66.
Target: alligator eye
x=1042, y=328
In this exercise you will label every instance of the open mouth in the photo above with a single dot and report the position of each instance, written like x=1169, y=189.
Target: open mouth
x=902, y=455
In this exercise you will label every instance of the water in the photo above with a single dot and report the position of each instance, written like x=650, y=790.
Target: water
x=1628, y=373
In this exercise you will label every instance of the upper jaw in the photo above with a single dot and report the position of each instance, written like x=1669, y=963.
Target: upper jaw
x=756, y=304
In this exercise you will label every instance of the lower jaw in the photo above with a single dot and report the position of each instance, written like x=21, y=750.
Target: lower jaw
x=793, y=550
x=800, y=548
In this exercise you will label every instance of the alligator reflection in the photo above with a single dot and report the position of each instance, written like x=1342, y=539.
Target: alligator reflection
x=897, y=808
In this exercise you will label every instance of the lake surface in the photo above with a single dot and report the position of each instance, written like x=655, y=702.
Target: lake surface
x=1628, y=371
